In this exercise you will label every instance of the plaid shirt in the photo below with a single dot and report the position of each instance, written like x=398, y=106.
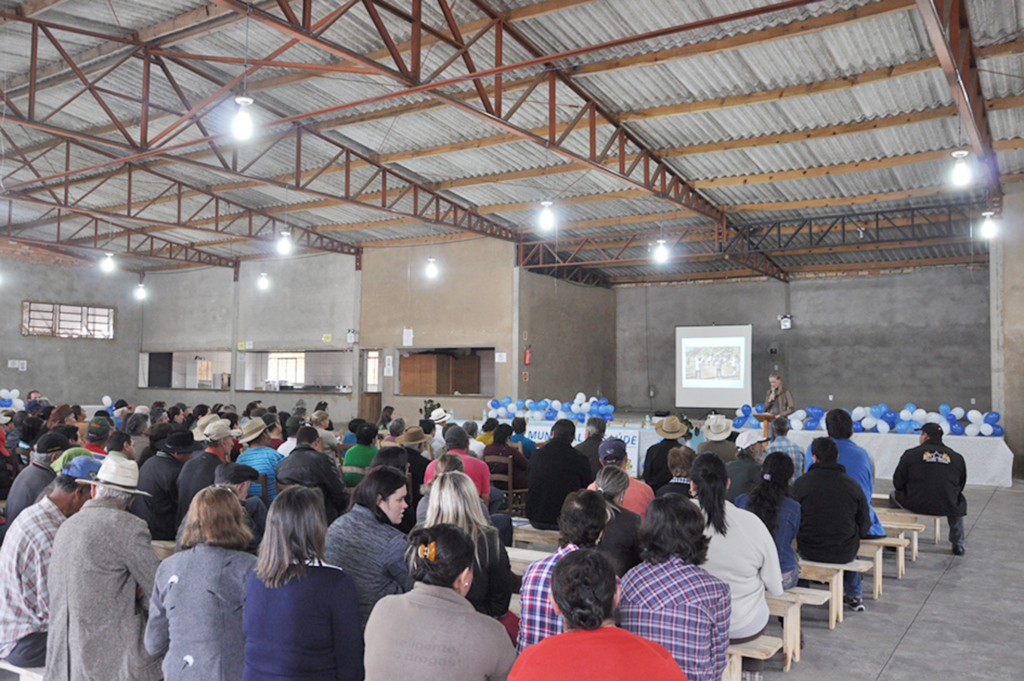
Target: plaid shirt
x=537, y=619
x=787, y=446
x=684, y=608
x=24, y=559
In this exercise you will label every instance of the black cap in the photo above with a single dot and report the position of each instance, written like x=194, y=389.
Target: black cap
x=932, y=430
x=51, y=443
x=181, y=442
x=234, y=473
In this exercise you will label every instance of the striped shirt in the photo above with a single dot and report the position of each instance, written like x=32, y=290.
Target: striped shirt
x=537, y=619
x=264, y=460
x=786, y=446
x=24, y=560
x=685, y=609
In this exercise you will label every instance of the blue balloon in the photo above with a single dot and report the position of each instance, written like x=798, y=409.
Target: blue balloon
x=6, y=402
x=550, y=415
x=811, y=424
x=817, y=412
x=858, y=427
x=494, y=404
x=884, y=406
x=957, y=428
x=951, y=418
x=531, y=405
x=890, y=417
x=505, y=401
x=520, y=404
x=911, y=407
x=992, y=417
x=997, y=431
x=902, y=427
x=738, y=422
x=944, y=409
x=582, y=418
x=759, y=408
x=752, y=422
x=877, y=411
x=745, y=409
x=611, y=408
x=603, y=401
x=916, y=425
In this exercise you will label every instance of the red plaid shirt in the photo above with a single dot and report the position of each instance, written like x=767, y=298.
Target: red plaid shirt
x=537, y=619
x=24, y=559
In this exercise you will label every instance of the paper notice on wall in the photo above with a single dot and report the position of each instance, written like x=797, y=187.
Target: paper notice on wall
x=12, y=364
x=22, y=365
x=406, y=337
x=389, y=371
x=500, y=357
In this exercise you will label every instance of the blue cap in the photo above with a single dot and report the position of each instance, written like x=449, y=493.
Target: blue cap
x=612, y=449
x=83, y=468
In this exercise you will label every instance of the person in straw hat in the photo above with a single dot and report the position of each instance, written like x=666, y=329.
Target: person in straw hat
x=440, y=417
x=717, y=430
x=416, y=442
x=260, y=455
x=100, y=580
x=656, y=470
x=199, y=471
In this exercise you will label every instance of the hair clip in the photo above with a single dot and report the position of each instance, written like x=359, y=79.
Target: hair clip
x=767, y=476
x=428, y=551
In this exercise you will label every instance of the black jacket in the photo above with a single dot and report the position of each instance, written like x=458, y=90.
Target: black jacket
x=621, y=541
x=656, y=472
x=588, y=448
x=417, y=470
x=834, y=514
x=307, y=467
x=159, y=477
x=930, y=479
x=556, y=469
x=743, y=473
x=491, y=590
x=196, y=474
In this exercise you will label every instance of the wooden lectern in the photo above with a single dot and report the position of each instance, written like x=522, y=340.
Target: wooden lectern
x=765, y=419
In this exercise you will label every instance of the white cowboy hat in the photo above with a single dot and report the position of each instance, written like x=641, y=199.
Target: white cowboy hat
x=116, y=473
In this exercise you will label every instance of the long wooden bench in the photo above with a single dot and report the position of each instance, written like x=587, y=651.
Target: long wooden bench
x=33, y=674
x=788, y=607
x=520, y=559
x=832, y=575
x=529, y=537
x=760, y=648
x=881, y=504
x=898, y=528
x=867, y=549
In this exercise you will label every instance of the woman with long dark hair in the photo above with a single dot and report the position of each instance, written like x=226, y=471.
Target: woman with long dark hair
x=769, y=500
x=741, y=553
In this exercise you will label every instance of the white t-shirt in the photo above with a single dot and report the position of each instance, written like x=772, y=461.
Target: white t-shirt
x=287, y=446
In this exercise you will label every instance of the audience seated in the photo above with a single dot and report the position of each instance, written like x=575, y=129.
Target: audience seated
x=440, y=418
x=360, y=454
x=320, y=420
x=519, y=437
x=301, y=616
x=349, y=438
x=256, y=437
x=25, y=561
x=198, y=472
x=656, y=472
x=158, y=477
x=717, y=430
x=621, y=538
x=437, y=617
x=157, y=437
x=679, y=461
x=138, y=427
x=581, y=522
x=415, y=442
x=395, y=428
x=639, y=494
x=517, y=463
x=309, y=467
x=476, y=448
x=31, y=482
x=445, y=464
x=453, y=501
x=595, y=436
x=366, y=543
x=769, y=500
x=96, y=435
x=745, y=469
x=291, y=427
x=457, y=442
x=834, y=516
x=741, y=553
x=398, y=458
x=669, y=599
x=486, y=435
x=100, y=580
x=119, y=444
x=239, y=478
x=583, y=588
x=781, y=443
x=195, y=612
x=556, y=470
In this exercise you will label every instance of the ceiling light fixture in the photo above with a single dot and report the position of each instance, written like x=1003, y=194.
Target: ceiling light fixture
x=546, y=219
x=661, y=252
x=241, y=126
x=989, y=229
x=140, y=292
x=961, y=171
x=431, y=268
x=107, y=264
x=284, y=244
x=263, y=283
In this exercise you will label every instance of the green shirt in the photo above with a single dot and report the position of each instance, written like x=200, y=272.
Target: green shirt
x=357, y=455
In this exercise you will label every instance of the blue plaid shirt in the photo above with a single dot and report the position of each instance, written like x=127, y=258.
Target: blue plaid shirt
x=264, y=460
x=786, y=446
x=537, y=619
x=685, y=609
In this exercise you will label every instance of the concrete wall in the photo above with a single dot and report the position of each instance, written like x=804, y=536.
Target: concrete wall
x=67, y=370
x=203, y=310
x=570, y=330
x=469, y=304
x=920, y=336
x=1008, y=323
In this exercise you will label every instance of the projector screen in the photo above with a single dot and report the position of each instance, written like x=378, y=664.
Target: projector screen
x=713, y=366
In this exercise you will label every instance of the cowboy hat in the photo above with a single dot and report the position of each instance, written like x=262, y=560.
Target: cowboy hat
x=413, y=435
x=180, y=442
x=201, y=424
x=717, y=428
x=749, y=438
x=218, y=430
x=252, y=429
x=670, y=428
x=439, y=415
x=116, y=473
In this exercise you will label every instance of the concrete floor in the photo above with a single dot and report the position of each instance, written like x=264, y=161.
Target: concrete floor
x=948, y=618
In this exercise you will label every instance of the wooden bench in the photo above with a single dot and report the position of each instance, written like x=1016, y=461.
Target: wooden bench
x=26, y=674
x=898, y=543
x=896, y=528
x=528, y=537
x=787, y=606
x=832, y=575
x=164, y=548
x=520, y=559
x=905, y=515
x=760, y=648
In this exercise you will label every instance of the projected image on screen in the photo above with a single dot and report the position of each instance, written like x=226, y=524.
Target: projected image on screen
x=713, y=362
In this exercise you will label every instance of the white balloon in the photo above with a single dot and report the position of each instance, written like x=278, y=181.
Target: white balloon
x=739, y=412
x=906, y=415
x=946, y=428
x=18, y=405
x=869, y=422
x=882, y=427
x=5, y=394
x=798, y=415
x=492, y=414
x=795, y=424
x=972, y=430
x=958, y=412
x=107, y=401
x=976, y=417
x=920, y=415
x=857, y=414
x=821, y=425
x=502, y=412
x=556, y=405
x=15, y=394
x=521, y=413
x=580, y=397
x=986, y=429
x=592, y=399
x=934, y=417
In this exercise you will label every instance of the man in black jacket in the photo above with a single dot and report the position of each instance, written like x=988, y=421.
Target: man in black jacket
x=588, y=448
x=834, y=516
x=656, y=472
x=198, y=473
x=930, y=479
x=159, y=476
x=556, y=469
x=309, y=467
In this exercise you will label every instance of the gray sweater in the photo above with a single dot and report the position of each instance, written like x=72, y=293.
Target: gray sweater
x=372, y=552
x=195, y=614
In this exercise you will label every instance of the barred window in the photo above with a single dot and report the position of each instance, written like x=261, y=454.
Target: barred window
x=66, y=321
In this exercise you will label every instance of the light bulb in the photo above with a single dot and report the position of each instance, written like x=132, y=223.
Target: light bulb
x=241, y=126
x=107, y=264
x=546, y=219
x=988, y=228
x=961, y=171
x=431, y=268
x=263, y=283
x=284, y=244
x=661, y=252
x=140, y=292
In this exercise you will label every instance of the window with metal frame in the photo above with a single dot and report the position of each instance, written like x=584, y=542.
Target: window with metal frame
x=66, y=321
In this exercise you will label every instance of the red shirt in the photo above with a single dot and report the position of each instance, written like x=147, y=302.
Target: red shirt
x=476, y=469
x=605, y=654
x=638, y=496
x=95, y=448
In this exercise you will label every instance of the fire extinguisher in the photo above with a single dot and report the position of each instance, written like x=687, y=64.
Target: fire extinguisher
x=527, y=356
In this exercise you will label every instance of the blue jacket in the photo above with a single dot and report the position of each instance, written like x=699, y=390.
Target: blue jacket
x=857, y=462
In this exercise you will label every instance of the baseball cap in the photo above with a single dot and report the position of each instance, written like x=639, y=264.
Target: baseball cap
x=612, y=449
x=98, y=427
x=84, y=467
x=750, y=437
x=51, y=443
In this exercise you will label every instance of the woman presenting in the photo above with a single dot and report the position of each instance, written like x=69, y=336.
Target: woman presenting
x=779, y=400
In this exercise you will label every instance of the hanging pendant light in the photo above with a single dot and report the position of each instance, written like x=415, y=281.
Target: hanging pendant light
x=546, y=217
x=989, y=229
x=431, y=270
x=961, y=171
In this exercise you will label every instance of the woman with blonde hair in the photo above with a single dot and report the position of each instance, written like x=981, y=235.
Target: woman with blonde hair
x=454, y=501
x=302, y=615
x=195, y=612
